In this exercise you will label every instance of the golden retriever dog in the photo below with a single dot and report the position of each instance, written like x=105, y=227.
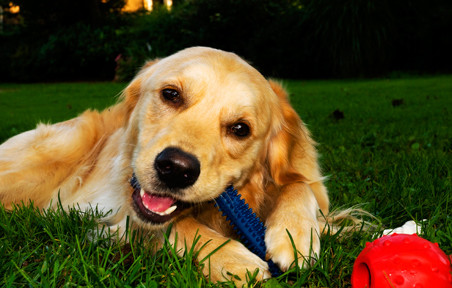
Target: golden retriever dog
x=184, y=129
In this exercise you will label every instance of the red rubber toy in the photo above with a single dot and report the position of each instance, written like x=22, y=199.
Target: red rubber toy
x=401, y=260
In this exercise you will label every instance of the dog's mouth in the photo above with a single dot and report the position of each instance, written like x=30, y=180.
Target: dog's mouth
x=153, y=208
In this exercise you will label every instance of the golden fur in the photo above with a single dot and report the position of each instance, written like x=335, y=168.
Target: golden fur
x=90, y=160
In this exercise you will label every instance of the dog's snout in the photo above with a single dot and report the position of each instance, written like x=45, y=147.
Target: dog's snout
x=176, y=168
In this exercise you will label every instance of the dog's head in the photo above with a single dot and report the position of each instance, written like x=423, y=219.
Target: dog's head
x=202, y=119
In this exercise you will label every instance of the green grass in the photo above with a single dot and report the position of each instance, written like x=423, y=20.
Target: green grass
x=24, y=105
x=394, y=160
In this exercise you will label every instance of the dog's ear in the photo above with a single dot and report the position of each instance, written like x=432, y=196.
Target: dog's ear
x=132, y=92
x=291, y=153
x=292, y=156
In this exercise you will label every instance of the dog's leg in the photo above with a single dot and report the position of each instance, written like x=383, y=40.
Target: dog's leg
x=295, y=212
x=219, y=256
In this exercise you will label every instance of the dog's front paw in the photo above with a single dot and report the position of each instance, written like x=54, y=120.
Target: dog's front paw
x=282, y=238
x=233, y=262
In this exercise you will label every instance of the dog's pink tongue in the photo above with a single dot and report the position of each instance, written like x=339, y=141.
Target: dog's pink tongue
x=157, y=203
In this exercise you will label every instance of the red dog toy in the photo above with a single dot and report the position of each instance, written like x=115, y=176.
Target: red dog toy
x=401, y=260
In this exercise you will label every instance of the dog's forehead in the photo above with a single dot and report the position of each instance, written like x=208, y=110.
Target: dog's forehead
x=214, y=70
x=214, y=76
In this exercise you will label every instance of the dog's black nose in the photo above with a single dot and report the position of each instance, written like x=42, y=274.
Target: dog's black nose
x=176, y=168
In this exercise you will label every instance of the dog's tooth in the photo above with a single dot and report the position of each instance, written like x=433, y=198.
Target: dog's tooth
x=142, y=192
x=170, y=210
x=167, y=211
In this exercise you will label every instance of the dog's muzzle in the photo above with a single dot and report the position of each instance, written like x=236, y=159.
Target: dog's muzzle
x=175, y=170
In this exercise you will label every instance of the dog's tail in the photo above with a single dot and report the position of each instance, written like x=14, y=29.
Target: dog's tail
x=347, y=220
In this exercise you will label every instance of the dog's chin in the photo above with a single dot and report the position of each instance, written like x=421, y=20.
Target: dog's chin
x=156, y=209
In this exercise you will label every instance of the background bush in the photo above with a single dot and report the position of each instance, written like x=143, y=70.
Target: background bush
x=93, y=40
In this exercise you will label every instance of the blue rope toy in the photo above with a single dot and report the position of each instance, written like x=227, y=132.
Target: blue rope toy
x=248, y=226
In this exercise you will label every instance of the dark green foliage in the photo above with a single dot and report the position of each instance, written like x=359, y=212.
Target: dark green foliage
x=75, y=52
x=50, y=14
x=290, y=38
x=420, y=40
x=350, y=36
x=61, y=40
x=306, y=38
x=146, y=37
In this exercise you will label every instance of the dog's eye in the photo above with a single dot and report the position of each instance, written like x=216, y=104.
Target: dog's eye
x=172, y=96
x=240, y=129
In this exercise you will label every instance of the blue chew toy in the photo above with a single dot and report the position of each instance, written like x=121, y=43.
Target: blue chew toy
x=249, y=227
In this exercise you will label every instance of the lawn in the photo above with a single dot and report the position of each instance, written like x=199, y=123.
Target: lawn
x=385, y=144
